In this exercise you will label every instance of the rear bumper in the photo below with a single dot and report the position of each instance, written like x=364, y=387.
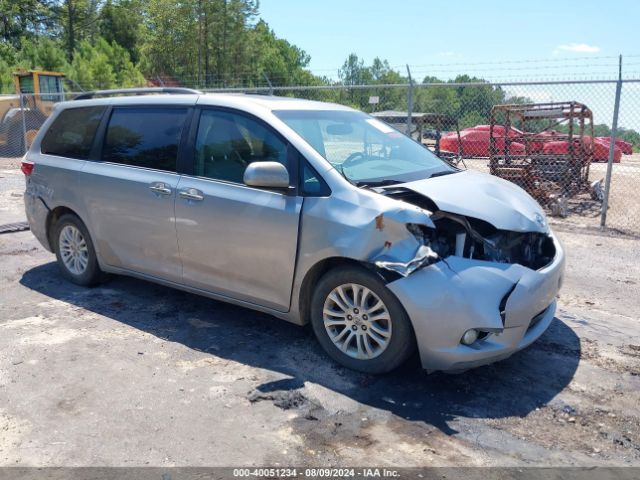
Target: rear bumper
x=37, y=213
x=447, y=298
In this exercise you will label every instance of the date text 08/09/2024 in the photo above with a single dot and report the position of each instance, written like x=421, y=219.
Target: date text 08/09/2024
x=315, y=473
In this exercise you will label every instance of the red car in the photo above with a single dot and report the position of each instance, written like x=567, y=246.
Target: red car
x=475, y=141
x=625, y=147
x=600, y=149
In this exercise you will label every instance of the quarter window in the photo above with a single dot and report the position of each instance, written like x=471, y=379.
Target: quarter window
x=227, y=142
x=144, y=137
x=72, y=132
x=312, y=183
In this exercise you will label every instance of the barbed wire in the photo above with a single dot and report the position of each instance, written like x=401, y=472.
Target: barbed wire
x=499, y=81
x=492, y=62
x=417, y=67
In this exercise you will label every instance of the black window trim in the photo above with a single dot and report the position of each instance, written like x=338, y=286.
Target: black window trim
x=95, y=135
x=293, y=156
x=101, y=136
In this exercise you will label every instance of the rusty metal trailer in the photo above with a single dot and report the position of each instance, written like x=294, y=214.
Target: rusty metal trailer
x=558, y=147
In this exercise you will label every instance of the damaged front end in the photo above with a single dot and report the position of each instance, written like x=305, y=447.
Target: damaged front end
x=487, y=292
x=422, y=256
x=461, y=236
x=451, y=272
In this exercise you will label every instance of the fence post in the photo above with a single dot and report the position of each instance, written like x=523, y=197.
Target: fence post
x=268, y=83
x=409, y=102
x=612, y=144
x=24, y=124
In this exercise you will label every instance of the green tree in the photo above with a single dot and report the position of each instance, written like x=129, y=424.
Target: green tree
x=103, y=66
x=127, y=74
x=121, y=22
x=437, y=99
x=43, y=54
x=91, y=69
x=276, y=58
x=170, y=42
x=352, y=73
x=77, y=21
x=22, y=19
x=477, y=98
x=6, y=80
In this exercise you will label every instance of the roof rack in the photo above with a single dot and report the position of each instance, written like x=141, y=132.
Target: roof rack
x=137, y=91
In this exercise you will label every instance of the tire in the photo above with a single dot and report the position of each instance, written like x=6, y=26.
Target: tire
x=15, y=139
x=390, y=335
x=74, y=248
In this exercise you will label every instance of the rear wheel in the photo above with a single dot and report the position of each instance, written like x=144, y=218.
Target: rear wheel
x=359, y=322
x=75, y=252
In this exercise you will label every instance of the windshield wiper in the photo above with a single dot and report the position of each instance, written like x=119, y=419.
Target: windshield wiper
x=442, y=173
x=381, y=183
x=340, y=168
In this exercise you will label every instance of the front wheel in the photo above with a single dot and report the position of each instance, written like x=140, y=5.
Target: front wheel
x=359, y=322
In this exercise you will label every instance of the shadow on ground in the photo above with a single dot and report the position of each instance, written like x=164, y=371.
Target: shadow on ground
x=513, y=387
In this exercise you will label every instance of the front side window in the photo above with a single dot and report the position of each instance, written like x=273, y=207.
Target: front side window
x=227, y=142
x=364, y=149
x=71, y=134
x=144, y=137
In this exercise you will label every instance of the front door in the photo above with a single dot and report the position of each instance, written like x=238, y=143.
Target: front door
x=235, y=240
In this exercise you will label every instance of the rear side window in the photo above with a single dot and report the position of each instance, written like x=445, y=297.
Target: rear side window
x=71, y=133
x=144, y=137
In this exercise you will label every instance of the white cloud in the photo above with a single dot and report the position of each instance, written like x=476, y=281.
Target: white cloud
x=576, y=48
x=448, y=54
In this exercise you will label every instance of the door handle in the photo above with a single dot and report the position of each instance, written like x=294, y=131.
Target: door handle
x=191, y=194
x=161, y=188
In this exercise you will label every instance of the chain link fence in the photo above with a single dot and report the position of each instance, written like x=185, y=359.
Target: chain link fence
x=557, y=140
x=21, y=117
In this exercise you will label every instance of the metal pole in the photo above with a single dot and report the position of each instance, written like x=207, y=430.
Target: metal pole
x=269, y=83
x=612, y=144
x=24, y=123
x=409, y=102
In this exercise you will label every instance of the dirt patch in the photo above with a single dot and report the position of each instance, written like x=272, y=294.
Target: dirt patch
x=283, y=400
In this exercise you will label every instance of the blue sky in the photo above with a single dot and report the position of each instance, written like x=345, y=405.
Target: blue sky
x=431, y=36
x=496, y=40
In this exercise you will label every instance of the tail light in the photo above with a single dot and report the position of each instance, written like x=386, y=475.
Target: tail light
x=26, y=167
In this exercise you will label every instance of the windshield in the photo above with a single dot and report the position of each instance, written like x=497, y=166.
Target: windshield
x=364, y=149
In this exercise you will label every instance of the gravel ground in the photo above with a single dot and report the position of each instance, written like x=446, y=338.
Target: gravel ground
x=135, y=374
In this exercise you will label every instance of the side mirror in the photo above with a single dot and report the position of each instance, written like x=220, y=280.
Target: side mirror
x=266, y=175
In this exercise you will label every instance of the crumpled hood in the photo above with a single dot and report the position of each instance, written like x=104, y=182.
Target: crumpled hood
x=486, y=197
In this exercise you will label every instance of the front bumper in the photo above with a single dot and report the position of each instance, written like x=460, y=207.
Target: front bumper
x=449, y=297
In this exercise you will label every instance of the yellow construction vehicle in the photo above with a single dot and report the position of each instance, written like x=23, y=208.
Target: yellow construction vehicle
x=21, y=115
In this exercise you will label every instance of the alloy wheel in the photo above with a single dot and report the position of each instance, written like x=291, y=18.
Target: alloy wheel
x=73, y=249
x=357, y=321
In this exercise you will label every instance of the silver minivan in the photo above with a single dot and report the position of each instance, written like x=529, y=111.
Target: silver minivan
x=313, y=212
